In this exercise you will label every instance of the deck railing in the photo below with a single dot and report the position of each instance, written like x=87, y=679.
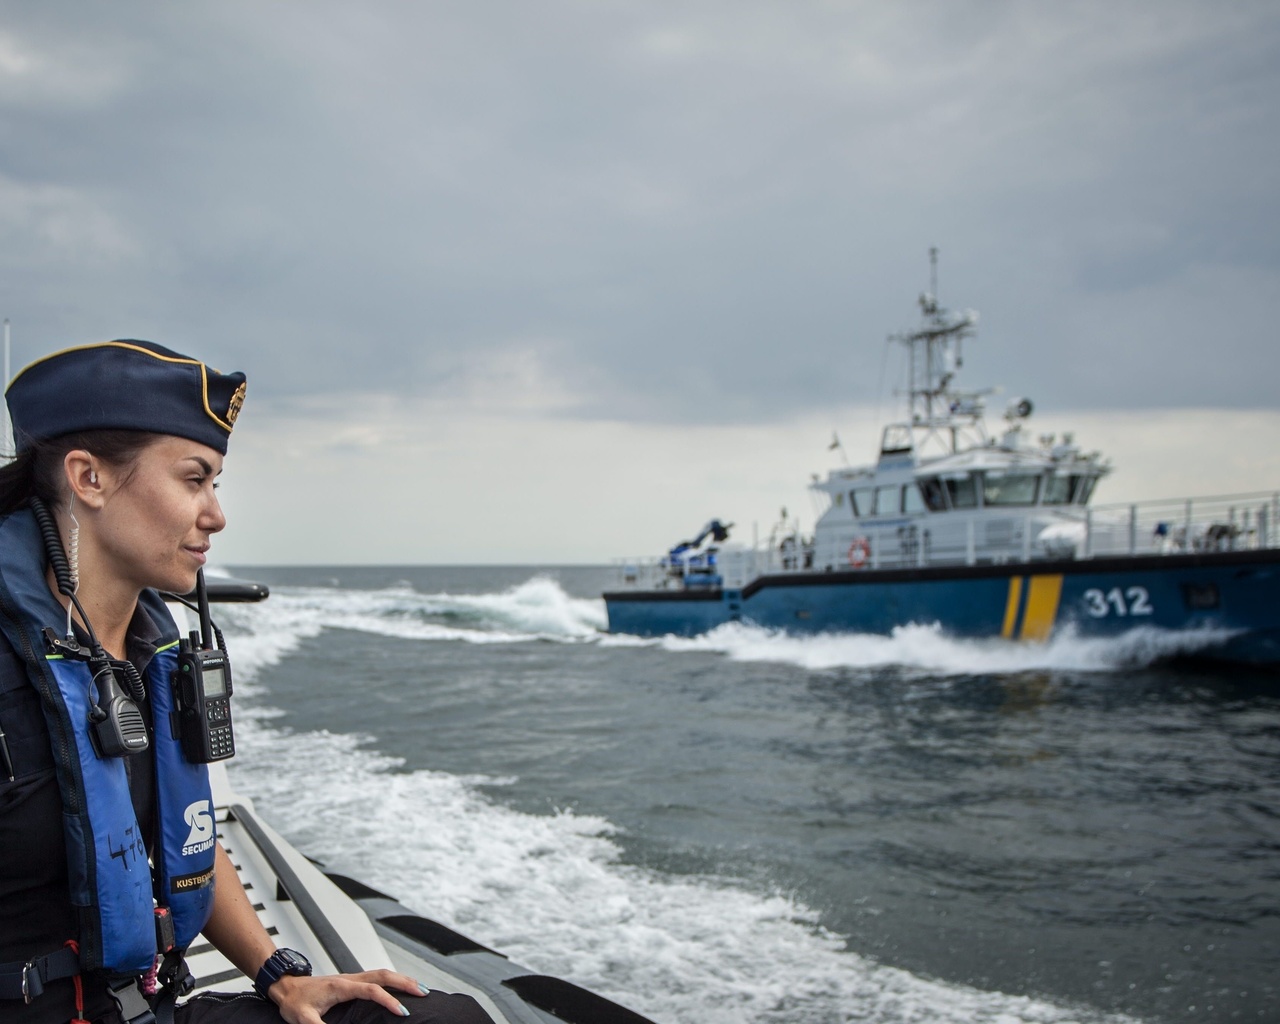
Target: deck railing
x=1236, y=522
x=1233, y=522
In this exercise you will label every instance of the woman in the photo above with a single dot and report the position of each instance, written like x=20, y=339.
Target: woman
x=119, y=447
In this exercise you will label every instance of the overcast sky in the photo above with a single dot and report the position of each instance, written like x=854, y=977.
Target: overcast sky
x=558, y=281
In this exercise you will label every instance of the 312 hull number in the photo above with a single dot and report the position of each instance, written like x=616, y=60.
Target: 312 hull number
x=1132, y=601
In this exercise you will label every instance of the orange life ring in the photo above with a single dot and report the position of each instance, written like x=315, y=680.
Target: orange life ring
x=859, y=552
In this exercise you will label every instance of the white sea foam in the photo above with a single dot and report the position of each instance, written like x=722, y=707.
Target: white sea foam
x=539, y=609
x=552, y=891
x=929, y=649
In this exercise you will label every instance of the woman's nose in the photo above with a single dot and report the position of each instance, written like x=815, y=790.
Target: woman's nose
x=211, y=518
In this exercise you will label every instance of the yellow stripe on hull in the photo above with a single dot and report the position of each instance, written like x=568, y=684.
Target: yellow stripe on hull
x=1042, y=607
x=1011, y=609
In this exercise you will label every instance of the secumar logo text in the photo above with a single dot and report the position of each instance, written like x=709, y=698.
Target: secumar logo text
x=198, y=816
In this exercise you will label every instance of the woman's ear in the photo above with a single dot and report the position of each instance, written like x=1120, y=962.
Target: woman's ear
x=81, y=470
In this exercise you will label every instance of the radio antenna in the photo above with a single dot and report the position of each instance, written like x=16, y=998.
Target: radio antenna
x=202, y=603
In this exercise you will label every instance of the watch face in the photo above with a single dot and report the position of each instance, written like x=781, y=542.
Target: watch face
x=280, y=963
x=293, y=962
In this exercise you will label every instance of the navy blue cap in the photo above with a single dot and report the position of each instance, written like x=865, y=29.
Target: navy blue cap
x=124, y=385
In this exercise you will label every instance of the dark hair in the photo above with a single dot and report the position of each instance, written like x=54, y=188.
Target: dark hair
x=37, y=471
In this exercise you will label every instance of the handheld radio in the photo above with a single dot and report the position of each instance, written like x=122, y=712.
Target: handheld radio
x=117, y=726
x=202, y=690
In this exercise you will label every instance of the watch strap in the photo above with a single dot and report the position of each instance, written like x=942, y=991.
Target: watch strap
x=277, y=965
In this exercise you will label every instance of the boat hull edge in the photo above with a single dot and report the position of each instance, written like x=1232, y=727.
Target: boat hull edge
x=1224, y=606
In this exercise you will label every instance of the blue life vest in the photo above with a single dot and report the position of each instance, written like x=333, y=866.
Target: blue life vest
x=112, y=884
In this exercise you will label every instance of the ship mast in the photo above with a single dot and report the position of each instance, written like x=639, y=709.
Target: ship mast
x=940, y=417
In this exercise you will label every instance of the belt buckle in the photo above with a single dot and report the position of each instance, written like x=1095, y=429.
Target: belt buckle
x=132, y=1006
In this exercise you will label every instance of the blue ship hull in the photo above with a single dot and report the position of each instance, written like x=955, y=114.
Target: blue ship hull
x=1236, y=595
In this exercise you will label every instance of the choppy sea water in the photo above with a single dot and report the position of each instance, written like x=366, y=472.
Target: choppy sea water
x=760, y=828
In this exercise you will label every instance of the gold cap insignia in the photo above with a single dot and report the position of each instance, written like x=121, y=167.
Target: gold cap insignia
x=233, y=408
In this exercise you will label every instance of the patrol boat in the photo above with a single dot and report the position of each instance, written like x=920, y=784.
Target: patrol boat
x=984, y=535
x=344, y=926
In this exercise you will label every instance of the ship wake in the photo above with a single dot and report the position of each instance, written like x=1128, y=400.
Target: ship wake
x=928, y=649
x=539, y=609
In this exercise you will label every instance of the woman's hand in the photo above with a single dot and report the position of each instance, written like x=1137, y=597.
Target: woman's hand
x=302, y=999
x=235, y=930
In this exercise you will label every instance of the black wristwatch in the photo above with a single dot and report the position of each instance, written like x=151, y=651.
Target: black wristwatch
x=280, y=963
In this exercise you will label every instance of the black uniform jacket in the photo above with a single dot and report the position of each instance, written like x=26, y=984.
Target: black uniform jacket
x=36, y=915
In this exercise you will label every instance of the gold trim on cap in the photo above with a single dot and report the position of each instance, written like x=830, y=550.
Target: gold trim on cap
x=204, y=378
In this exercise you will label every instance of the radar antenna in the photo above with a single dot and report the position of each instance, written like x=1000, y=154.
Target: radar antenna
x=938, y=415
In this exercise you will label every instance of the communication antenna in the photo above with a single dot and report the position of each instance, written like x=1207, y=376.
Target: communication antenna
x=836, y=445
x=933, y=272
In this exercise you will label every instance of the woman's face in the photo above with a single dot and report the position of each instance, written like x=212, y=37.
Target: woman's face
x=159, y=514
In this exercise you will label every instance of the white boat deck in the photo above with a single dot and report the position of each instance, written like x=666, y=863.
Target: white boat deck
x=302, y=909
x=345, y=927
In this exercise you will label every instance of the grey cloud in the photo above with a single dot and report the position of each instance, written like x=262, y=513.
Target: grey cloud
x=702, y=212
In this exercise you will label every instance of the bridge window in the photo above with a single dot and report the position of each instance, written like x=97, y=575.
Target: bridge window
x=931, y=489
x=889, y=500
x=863, y=501
x=962, y=491
x=1068, y=490
x=912, y=503
x=1057, y=490
x=1009, y=488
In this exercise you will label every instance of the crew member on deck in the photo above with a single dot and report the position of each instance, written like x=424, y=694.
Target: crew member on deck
x=107, y=848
